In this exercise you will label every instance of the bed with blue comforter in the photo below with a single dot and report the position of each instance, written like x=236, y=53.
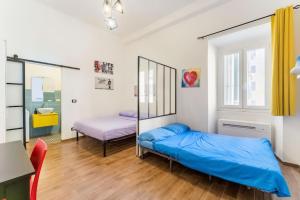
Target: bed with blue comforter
x=247, y=161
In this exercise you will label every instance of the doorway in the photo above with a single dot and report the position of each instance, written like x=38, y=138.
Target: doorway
x=42, y=102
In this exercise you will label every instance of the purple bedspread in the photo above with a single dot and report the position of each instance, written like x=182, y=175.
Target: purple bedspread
x=106, y=128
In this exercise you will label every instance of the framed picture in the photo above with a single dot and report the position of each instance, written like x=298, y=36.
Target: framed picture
x=190, y=78
x=104, y=83
x=103, y=67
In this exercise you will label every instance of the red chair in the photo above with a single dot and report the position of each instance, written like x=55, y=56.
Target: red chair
x=37, y=158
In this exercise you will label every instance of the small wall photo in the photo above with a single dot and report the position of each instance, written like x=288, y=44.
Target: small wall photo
x=190, y=78
x=104, y=83
x=103, y=67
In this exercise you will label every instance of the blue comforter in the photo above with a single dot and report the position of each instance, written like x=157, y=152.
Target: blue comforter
x=246, y=161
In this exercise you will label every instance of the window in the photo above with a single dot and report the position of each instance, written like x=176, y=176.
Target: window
x=256, y=73
x=242, y=79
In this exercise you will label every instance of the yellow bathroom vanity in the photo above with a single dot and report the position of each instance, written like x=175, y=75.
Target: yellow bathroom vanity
x=44, y=120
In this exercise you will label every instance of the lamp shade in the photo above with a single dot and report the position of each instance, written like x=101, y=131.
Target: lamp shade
x=107, y=8
x=296, y=69
x=111, y=23
x=118, y=6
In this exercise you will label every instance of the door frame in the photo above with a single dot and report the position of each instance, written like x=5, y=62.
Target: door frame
x=15, y=58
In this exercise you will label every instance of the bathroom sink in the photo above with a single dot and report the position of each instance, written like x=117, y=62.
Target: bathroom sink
x=45, y=110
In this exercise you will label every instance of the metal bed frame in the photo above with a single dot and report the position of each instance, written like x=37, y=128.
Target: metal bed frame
x=104, y=142
x=171, y=160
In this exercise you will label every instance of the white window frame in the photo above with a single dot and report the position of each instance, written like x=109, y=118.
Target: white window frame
x=242, y=49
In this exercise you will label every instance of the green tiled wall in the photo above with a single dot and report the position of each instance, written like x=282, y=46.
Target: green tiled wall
x=50, y=101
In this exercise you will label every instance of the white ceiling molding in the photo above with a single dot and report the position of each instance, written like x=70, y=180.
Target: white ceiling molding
x=193, y=9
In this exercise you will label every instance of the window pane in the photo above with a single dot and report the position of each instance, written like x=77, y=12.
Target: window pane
x=167, y=91
x=173, y=91
x=143, y=88
x=256, y=88
x=232, y=79
x=160, y=90
x=151, y=86
x=152, y=89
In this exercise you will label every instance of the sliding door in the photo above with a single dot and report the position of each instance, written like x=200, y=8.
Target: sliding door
x=15, y=101
x=2, y=90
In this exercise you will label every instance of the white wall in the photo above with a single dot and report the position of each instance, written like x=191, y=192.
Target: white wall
x=2, y=90
x=277, y=128
x=35, y=31
x=177, y=46
x=212, y=91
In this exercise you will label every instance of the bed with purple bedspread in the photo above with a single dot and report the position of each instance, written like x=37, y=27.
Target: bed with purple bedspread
x=109, y=128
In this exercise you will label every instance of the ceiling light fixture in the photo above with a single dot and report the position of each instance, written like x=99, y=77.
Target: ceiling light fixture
x=111, y=23
x=108, y=7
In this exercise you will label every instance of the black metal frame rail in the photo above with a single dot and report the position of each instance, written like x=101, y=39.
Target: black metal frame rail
x=245, y=23
x=15, y=57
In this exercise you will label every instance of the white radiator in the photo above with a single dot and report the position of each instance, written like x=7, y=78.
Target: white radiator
x=244, y=129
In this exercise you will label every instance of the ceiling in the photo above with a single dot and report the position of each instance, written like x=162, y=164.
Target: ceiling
x=137, y=13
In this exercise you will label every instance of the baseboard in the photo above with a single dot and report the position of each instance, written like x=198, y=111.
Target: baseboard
x=288, y=163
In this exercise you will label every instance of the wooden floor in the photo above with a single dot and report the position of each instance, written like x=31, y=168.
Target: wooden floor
x=79, y=172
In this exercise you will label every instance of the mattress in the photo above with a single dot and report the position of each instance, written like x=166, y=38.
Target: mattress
x=246, y=161
x=106, y=128
x=146, y=144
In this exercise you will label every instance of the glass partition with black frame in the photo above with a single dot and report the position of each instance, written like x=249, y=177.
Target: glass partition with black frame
x=156, y=89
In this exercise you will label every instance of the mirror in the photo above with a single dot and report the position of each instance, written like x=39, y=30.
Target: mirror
x=37, y=89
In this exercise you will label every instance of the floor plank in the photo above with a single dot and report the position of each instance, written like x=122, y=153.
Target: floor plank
x=78, y=171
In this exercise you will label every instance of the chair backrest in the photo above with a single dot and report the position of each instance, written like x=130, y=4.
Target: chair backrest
x=37, y=158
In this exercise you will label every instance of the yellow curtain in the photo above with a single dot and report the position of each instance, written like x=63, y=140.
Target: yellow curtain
x=283, y=55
